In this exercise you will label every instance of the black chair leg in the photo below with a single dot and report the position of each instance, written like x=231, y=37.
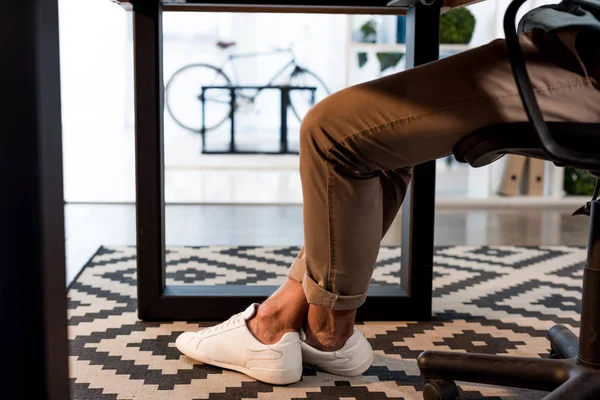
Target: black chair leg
x=585, y=386
x=531, y=373
x=572, y=373
x=563, y=342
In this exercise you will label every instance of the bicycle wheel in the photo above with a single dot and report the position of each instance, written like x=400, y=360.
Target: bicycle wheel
x=300, y=100
x=184, y=88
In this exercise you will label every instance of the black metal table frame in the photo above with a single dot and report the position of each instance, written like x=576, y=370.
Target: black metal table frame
x=33, y=296
x=284, y=106
x=410, y=300
x=33, y=300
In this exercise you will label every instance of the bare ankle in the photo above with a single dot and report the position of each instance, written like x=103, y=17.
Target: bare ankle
x=328, y=330
x=282, y=312
x=267, y=329
x=326, y=342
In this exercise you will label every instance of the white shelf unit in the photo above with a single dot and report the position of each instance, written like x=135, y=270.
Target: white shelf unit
x=399, y=47
x=371, y=49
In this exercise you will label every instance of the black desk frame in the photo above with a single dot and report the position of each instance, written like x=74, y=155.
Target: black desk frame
x=33, y=299
x=284, y=98
x=410, y=300
x=33, y=295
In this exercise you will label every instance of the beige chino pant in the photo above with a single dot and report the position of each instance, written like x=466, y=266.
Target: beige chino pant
x=357, y=147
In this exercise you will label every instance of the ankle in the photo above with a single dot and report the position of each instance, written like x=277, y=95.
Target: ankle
x=326, y=341
x=328, y=330
x=266, y=325
x=268, y=312
x=272, y=321
x=282, y=312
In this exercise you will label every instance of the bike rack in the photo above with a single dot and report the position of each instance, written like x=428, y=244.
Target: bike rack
x=285, y=103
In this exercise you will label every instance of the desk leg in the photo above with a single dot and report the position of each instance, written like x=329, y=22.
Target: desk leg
x=149, y=161
x=418, y=210
x=203, y=126
x=33, y=301
x=232, y=100
x=285, y=102
x=156, y=301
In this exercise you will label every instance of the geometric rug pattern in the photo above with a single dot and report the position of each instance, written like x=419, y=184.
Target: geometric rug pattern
x=487, y=299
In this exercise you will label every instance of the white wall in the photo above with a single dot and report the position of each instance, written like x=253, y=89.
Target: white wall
x=485, y=22
x=98, y=154
x=93, y=64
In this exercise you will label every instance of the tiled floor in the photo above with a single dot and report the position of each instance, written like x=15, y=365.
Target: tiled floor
x=89, y=226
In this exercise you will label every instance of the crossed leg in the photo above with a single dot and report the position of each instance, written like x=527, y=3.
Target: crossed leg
x=356, y=151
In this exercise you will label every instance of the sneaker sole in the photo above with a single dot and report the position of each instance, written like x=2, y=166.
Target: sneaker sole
x=354, y=371
x=271, y=376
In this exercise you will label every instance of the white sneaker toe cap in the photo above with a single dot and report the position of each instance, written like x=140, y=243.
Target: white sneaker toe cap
x=187, y=343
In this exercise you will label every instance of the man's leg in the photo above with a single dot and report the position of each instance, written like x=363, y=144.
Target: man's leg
x=356, y=150
x=357, y=147
x=287, y=308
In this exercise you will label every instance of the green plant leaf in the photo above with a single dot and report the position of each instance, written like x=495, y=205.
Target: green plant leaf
x=578, y=182
x=389, y=60
x=369, y=31
x=362, y=59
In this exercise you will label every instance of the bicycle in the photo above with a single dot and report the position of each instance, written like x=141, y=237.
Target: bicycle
x=217, y=104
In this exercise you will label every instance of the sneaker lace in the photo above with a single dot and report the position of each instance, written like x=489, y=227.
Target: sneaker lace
x=233, y=320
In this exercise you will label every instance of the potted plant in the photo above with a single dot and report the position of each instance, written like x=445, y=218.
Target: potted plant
x=456, y=27
x=578, y=182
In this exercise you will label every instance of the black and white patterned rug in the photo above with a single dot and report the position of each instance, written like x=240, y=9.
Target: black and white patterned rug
x=496, y=300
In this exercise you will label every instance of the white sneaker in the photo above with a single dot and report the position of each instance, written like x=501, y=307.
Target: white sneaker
x=231, y=345
x=354, y=358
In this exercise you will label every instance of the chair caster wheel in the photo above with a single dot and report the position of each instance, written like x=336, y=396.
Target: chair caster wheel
x=440, y=390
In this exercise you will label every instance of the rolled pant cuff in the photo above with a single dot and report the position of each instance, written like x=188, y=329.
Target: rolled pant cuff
x=318, y=296
x=297, y=270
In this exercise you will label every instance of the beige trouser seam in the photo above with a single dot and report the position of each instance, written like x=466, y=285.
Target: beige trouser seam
x=331, y=236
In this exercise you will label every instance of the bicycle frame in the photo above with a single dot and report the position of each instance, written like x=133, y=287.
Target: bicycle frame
x=232, y=57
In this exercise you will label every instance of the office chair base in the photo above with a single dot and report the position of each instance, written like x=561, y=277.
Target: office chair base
x=563, y=374
x=573, y=370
